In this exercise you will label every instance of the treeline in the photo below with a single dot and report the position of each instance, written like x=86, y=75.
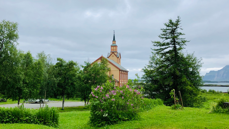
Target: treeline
x=23, y=76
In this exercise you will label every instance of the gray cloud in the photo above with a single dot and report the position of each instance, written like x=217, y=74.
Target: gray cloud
x=82, y=30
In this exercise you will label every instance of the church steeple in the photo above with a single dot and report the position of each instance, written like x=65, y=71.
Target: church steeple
x=114, y=35
x=113, y=41
x=114, y=55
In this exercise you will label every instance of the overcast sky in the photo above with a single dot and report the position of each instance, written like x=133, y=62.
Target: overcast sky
x=82, y=30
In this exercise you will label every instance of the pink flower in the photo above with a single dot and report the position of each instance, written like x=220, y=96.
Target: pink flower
x=101, y=110
x=107, y=95
x=100, y=90
x=127, y=103
x=121, y=91
x=95, y=88
x=131, y=104
x=127, y=86
x=114, y=87
x=101, y=87
x=135, y=90
x=113, y=99
x=91, y=92
x=93, y=95
x=138, y=93
x=103, y=97
x=130, y=89
x=96, y=96
x=142, y=97
x=114, y=93
x=122, y=97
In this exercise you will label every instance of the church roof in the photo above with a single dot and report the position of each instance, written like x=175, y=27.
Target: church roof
x=113, y=63
x=118, y=65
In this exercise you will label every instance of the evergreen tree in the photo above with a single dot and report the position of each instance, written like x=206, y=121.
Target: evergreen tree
x=170, y=69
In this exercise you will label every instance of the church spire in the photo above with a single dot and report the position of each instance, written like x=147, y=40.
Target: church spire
x=113, y=35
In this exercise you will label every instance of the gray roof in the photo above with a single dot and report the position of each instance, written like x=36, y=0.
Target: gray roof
x=116, y=64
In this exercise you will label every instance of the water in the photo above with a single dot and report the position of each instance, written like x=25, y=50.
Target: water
x=217, y=83
x=223, y=89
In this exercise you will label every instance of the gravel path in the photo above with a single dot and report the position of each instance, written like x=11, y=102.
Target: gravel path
x=50, y=104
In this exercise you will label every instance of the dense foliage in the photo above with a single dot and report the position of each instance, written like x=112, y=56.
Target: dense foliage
x=110, y=104
x=170, y=69
x=90, y=76
x=46, y=116
x=67, y=75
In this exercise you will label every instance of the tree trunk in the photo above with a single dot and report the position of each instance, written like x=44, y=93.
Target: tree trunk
x=63, y=103
x=40, y=102
x=181, y=100
x=85, y=102
x=19, y=100
x=44, y=98
x=174, y=99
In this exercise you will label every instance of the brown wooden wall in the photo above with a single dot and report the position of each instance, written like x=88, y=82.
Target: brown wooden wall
x=123, y=77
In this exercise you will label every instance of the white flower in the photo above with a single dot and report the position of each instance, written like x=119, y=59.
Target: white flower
x=105, y=115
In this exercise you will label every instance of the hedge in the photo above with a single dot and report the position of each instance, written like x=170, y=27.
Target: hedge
x=46, y=116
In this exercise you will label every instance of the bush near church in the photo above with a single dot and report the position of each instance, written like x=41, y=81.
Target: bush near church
x=45, y=116
x=110, y=104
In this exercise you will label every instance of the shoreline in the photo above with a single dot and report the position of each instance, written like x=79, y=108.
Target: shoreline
x=215, y=85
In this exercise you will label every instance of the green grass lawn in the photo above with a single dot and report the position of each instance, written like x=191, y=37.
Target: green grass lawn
x=160, y=117
x=9, y=101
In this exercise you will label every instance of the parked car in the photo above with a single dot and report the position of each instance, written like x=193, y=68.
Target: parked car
x=37, y=100
x=2, y=100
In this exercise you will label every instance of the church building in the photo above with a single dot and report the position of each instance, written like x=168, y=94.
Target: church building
x=119, y=73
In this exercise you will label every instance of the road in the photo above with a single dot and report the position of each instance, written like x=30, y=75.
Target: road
x=50, y=104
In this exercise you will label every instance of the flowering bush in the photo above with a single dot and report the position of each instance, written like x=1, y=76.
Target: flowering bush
x=110, y=104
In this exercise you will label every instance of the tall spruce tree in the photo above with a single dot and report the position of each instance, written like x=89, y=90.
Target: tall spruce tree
x=171, y=69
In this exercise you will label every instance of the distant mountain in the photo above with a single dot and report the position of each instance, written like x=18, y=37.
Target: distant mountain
x=220, y=75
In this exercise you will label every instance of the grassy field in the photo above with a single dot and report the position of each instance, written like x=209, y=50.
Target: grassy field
x=9, y=101
x=160, y=117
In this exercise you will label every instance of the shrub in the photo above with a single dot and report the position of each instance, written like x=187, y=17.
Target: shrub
x=110, y=104
x=219, y=108
x=47, y=116
x=150, y=103
x=203, y=91
x=212, y=91
x=199, y=101
x=178, y=106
